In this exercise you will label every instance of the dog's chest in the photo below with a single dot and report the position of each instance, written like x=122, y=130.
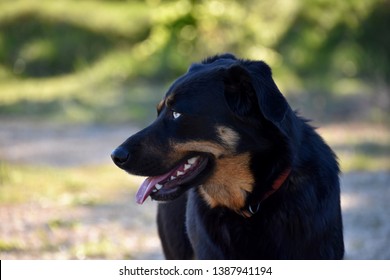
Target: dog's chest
x=211, y=236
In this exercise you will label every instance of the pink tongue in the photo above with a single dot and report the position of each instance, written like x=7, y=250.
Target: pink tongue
x=147, y=187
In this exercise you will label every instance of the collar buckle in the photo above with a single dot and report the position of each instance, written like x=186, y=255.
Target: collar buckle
x=250, y=211
x=255, y=210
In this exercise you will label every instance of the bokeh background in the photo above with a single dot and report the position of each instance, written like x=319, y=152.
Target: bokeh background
x=77, y=77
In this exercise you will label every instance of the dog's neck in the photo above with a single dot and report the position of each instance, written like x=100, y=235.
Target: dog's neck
x=252, y=208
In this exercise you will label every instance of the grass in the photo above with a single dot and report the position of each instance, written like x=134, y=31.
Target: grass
x=61, y=223
x=359, y=146
x=98, y=249
x=62, y=186
x=106, y=103
x=9, y=246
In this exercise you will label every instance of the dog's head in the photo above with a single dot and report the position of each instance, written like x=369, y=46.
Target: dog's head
x=220, y=127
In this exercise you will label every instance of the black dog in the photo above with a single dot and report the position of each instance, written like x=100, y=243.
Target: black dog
x=242, y=175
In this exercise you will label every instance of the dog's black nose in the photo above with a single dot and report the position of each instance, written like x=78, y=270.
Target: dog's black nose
x=119, y=156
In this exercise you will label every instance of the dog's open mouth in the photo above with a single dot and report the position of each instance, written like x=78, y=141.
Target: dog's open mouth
x=174, y=183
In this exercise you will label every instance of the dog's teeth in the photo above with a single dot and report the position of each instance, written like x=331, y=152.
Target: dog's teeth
x=158, y=186
x=187, y=166
x=192, y=160
x=179, y=173
x=173, y=177
x=154, y=190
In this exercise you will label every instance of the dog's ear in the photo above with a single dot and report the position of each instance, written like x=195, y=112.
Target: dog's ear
x=239, y=93
x=271, y=101
x=249, y=83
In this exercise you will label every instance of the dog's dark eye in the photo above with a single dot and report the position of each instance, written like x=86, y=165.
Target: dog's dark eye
x=175, y=115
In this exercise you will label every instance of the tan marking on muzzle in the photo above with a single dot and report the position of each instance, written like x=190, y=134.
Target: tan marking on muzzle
x=229, y=184
x=160, y=105
x=231, y=179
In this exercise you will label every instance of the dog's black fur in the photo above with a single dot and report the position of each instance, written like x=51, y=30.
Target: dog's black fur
x=235, y=121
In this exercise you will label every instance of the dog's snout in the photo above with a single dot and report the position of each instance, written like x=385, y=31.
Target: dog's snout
x=120, y=156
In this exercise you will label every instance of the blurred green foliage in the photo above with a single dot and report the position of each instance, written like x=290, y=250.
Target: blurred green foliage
x=74, y=60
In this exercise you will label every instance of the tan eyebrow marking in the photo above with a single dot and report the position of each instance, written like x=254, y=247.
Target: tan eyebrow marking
x=160, y=105
x=228, y=136
x=169, y=100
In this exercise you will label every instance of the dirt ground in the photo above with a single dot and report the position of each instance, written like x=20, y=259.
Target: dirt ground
x=127, y=230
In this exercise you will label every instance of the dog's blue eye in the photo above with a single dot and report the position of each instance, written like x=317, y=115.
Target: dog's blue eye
x=175, y=114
